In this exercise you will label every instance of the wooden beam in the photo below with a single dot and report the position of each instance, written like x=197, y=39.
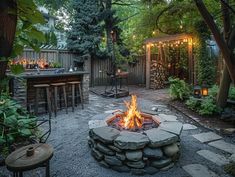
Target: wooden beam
x=148, y=64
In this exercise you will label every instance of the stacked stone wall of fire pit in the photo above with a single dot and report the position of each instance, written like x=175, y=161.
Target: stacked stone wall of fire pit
x=139, y=153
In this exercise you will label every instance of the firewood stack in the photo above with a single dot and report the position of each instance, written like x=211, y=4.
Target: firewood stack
x=157, y=75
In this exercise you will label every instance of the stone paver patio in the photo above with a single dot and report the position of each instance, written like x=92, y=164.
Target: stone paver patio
x=72, y=157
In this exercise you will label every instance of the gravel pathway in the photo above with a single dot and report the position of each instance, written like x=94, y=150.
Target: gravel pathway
x=72, y=156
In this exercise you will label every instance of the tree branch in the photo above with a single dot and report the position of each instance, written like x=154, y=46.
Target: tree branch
x=218, y=38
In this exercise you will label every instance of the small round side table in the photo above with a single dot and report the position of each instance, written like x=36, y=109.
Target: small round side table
x=23, y=160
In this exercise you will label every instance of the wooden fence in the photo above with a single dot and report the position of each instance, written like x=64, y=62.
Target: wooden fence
x=97, y=67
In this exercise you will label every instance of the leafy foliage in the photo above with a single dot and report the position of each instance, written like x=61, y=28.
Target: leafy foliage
x=86, y=32
x=193, y=103
x=18, y=124
x=231, y=94
x=179, y=89
x=213, y=91
x=208, y=106
x=27, y=33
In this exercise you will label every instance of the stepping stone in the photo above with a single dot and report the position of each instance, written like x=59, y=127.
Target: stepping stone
x=207, y=137
x=222, y=145
x=198, y=170
x=172, y=127
x=214, y=157
x=168, y=118
x=97, y=123
x=189, y=127
x=149, y=112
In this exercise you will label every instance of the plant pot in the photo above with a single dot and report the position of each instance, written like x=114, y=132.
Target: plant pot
x=3, y=68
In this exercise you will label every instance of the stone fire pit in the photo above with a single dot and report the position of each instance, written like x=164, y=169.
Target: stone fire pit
x=147, y=151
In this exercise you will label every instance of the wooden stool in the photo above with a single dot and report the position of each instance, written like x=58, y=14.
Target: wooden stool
x=73, y=85
x=28, y=158
x=42, y=86
x=56, y=86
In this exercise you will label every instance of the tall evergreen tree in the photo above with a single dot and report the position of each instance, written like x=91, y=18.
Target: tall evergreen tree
x=86, y=28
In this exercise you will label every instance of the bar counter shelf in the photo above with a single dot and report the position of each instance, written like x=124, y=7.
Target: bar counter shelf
x=21, y=86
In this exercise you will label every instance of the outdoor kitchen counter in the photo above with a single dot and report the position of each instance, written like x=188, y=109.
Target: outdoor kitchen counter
x=22, y=89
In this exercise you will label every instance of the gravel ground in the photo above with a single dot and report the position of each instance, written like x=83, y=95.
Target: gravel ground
x=72, y=156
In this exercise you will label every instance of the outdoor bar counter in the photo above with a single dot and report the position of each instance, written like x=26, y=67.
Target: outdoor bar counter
x=21, y=86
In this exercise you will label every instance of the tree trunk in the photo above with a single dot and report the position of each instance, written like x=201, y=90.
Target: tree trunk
x=226, y=52
x=226, y=79
x=8, y=23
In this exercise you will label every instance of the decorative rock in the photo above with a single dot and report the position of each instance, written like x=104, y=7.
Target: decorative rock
x=134, y=155
x=97, y=123
x=105, y=134
x=139, y=164
x=137, y=171
x=122, y=168
x=161, y=163
x=153, y=153
x=104, y=149
x=104, y=164
x=154, y=108
x=172, y=127
x=131, y=140
x=160, y=138
x=120, y=156
x=171, y=150
x=112, y=160
x=96, y=154
x=114, y=148
x=91, y=142
x=151, y=170
x=167, y=167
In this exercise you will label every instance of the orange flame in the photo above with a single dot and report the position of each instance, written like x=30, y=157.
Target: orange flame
x=132, y=118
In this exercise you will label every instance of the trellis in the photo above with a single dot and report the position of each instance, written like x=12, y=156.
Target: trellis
x=168, y=41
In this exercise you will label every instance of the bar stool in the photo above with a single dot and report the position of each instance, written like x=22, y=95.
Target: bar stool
x=47, y=89
x=56, y=86
x=73, y=84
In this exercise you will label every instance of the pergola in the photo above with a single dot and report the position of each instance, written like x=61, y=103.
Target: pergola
x=170, y=41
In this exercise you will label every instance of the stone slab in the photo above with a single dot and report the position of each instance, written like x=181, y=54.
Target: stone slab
x=131, y=140
x=198, y=170
x=97, y=123
x=113, y=111
x=213, y=157
x=169, y=118
x=207, y=137
x=232, y=158
x=172, y=127
x=149, y=112
x=105, y=134
x=160, y=138
x=224, y=146
x=189, y=127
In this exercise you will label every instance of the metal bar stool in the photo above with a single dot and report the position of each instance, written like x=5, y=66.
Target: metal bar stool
x=47, y=88
x=55, y=87
x=73, y=85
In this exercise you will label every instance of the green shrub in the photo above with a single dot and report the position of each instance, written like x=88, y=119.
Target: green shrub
x=231, y=94
x=213, y=91
x=179, y=89
x=19, y=123
x=193, y=103
x=208, y=106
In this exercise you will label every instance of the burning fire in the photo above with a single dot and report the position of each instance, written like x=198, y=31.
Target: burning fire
x=132, y=117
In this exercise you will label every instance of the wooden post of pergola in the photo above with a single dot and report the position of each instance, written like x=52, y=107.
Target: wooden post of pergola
x=169, y=39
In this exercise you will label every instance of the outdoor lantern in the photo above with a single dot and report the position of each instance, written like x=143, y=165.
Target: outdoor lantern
x=197, y=91
x=204, y=90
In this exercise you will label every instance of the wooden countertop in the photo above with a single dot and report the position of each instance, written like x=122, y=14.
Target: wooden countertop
x=29, y=75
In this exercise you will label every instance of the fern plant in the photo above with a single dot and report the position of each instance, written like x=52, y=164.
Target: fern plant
x=179, y=89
